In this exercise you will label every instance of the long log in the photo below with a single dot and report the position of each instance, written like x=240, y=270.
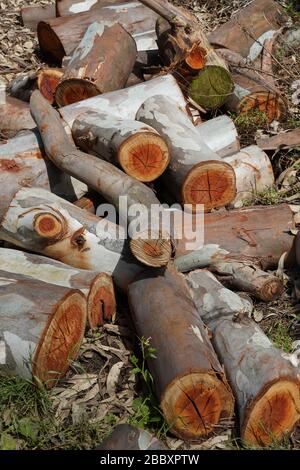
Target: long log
x=127, y=437
x=152, y=249
x=260, y=234
x=71, y=7
x=283, y=140
x=263, y=378
x=60, y=36
x=14, y=117
x=196, y=174
x=23, y=164
x=33, y=14
x=97, y=287
x=253, y=172
x=220, y=135
x=125, y=103
x=41, y=222
x=42, y=327
x=102, y=62
x=136, y=147
x=246, y=31
x=188, y=379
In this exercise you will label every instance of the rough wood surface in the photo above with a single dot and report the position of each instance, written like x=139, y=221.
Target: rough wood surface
x=42, y=327
x=125, y=103
x=97, y=287
x=196, y=174
x=283, y=140
x=154, y=249
x=47, y=81
x=136, y=147
x=60, y=36
x=263, y=378
x=253, y=172
x=14, y=117
x=102, y=62
x=33, y=14
x=24, y=164
x=127, y=437
x=220, y=135
x=71, y=235
x=246, y=31
x=189, y=381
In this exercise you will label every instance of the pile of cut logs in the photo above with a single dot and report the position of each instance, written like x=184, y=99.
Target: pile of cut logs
x=122, y=109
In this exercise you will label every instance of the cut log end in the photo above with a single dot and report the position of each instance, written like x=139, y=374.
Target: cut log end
x=271, y=289
x=211, y=184
x=212, y=87
x=101, y=301
x=269, y=103
x=73, y=90
x=61, y=340
x=153, y=251
x=144, y=156
x=48, y=80
x=195, y=404
x=196, y=59
x=273, y=415
x=49, y=42
x=48, y=226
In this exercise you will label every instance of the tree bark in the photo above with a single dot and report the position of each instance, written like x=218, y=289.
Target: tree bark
x=42, y=327
x=71, y=7
x=22, y=86
x=68, y=234
x=47, y=81
x=60, y=36
x=154, y=250
x=127, y=437
x=102, y=62
x=196, y=174
x=33, y=14
x=136, y=147
x=263, y=378
x=220, y=135
x=125, y=103
x=246, y=31
x=23, y=164
x=14, y=117
x=189, y=381
x=253, y=172
x=258, y=234
x=283, y=140
x=97, y=287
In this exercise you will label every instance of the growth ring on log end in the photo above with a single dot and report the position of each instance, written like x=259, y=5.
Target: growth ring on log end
x=144, y=156
x=48, y=80
x=212, y=184
x=269, y=103
x=101, y=302
x=154, y=251
x=194, y=404
x=61, y=339
x=274, y=414
x=74, y=89
x=50, y=42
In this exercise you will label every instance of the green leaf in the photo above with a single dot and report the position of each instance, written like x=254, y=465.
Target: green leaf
x=28, y=428
x=7, y=442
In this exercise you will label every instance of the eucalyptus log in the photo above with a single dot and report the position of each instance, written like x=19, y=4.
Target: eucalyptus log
x=97, y=287
x=42, y=327
x=263, y=378
x=283, y=140
x=14, y=117
x=134, y=146
x=47, y=82
x=33, y=14
x=71, y=7
x=253, y=172
x=41, y=222
x=24, y=164
x=196, y=174
x=190, y=383
x=22, y=86
x=60, y=36
x=125, y=103
x=102, y=62
x=127, y=437
x=247, y=30
x=220, y=135
x=260, y=234
x=152, y=249
x=86, y=203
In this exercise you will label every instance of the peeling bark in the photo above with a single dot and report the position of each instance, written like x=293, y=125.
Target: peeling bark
x=14, y=117
x=127, y=437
